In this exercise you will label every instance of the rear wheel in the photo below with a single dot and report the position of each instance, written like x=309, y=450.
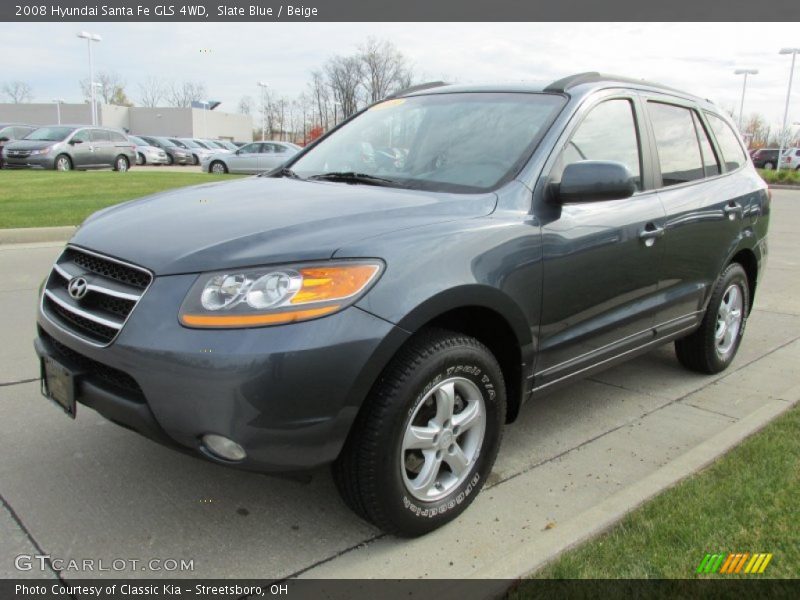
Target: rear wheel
x=121, y=164
x=195, y=159
x=140, y=159
x=713, y=346
x=769, y=166
x=425, y=442
x=218, y=167
x=63, y=163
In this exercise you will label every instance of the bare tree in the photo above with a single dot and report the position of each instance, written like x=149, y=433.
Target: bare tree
x=320, y=95
x=152, y=92
x=184, y=93
x=18, y=92
x=385, y=69
x=110, y=86
x=344, y=75
x=246, y=105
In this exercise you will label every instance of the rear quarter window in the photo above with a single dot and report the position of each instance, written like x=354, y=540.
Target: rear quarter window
x=733, y=154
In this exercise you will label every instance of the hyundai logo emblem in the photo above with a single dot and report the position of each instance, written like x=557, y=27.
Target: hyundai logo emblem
x=77, y=287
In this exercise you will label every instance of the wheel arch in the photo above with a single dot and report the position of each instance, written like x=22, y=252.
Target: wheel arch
x=746, y=257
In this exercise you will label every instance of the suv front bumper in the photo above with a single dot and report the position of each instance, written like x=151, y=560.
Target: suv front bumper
x=287, y=394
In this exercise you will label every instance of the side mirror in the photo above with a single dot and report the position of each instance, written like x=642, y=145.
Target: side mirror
x=3, y=139
x=73, y=142
x=593, y=180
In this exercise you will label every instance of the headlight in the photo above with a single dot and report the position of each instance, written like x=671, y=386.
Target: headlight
x=40, y=151
x=276, y=295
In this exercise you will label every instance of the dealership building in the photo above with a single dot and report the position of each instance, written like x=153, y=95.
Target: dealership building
x=189, y=122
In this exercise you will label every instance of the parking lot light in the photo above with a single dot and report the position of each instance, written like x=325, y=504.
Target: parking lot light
x=793, y=52
x=58, y=102
x=263, y=85
x=744, y=72
x=91, y=37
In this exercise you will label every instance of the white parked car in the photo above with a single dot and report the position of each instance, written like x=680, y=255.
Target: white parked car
x=251, y=158
x=197, y=152
x=791, y=159
x=147, y=154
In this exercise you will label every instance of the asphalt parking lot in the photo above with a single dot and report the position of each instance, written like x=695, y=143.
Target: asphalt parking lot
x=89, y=489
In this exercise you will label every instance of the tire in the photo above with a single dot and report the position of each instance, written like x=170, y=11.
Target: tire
x=712, y=347
x=218, y=168
x=140, y=159
x=383, y=480
x=195, y=160
x=121, y=164
x=62, y=163
x=170, y=159
x=769, y=166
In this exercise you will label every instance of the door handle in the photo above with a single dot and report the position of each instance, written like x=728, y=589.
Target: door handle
x=733, y=209
x=651, y=232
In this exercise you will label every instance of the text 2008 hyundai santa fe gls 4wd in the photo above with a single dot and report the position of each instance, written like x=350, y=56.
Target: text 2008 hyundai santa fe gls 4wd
x=389, y=299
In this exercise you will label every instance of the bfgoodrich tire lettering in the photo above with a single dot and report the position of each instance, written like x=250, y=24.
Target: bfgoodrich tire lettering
x=370, y=471
x=709, y=350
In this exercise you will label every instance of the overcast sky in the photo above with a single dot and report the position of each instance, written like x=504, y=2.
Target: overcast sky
x=230, y=58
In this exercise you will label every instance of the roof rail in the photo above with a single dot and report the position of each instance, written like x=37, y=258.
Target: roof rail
x=416, y=88
x=562, y=85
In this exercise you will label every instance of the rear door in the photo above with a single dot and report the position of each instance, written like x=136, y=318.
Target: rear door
x=704, y=211
x=601, y=259
x=271, y=156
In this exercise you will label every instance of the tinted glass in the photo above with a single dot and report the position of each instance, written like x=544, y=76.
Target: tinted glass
x=676, y=142
x=116, y=136
x=460, y=142
x=7, y=132
x=82, y=136
x=710, y=162
x=607, y=133
x=138, y=141
x=732, y=151
x=101, y=135
x=249, y=149
x=50, y=134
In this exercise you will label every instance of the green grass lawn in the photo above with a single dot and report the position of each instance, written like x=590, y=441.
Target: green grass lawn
x=784, y=176
x=49, y=198
x=748, y=501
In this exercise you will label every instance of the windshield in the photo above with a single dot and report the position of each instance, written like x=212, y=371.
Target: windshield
x=50, y=134
x=228, y=145
x=190, y=143
x=464, y=142
x=137, y=140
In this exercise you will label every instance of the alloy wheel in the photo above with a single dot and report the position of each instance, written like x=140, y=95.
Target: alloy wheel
x=729, y=320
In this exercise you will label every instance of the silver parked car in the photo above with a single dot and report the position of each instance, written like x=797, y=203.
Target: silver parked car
x=10, y=132
x=147, y=154
x=250, y=158
x=196, y=151
x=212, y=145
x=67, y=147
x=791, y=159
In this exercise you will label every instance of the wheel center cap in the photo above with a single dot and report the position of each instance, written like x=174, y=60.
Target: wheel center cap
x=447, y=438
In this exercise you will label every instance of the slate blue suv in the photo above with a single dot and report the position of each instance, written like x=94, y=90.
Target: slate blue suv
x=389, y=299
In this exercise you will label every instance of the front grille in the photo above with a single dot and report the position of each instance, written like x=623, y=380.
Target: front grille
x=19, y=153
x=106, y=293
x=97, y=372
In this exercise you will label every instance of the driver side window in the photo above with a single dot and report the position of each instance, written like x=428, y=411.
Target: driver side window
x=607, y=133
x=81, y=136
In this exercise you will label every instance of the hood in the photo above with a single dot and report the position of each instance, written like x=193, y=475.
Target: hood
x=28, y=144
x=261, y=220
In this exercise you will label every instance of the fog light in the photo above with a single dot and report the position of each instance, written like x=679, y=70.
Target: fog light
x=222, y=447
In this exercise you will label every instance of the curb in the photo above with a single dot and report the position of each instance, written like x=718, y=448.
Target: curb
x=28, y=235
x=780, y=186
x=528, y=558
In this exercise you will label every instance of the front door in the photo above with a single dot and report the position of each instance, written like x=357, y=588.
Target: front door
x=601, y=258
x=245, y=159
x=81, y=149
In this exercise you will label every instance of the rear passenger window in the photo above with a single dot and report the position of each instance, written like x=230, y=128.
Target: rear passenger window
x=732, y=151
x=710, y=162
x=100, y=135
x=117, y=137
x=607, y=133
x=676, y=141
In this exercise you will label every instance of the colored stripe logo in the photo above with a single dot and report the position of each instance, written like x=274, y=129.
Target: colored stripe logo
x=735, y=562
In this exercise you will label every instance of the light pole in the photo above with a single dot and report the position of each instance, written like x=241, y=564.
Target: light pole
x=793, y=52
x=91, y=37
x=58, y=102
x=263, y=85
x=744, y=72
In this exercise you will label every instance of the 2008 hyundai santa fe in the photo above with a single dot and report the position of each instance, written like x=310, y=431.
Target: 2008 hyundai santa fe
x=390, y=298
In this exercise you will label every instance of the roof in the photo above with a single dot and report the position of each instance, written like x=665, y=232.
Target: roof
x=579, y=84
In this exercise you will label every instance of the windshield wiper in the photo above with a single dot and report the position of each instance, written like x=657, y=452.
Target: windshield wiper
x=280, y=172
x=353, y=177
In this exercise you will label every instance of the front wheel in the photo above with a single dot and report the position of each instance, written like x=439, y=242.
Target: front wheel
x=426, y=440
x=218, y=168
x=713, y=346
x=769, y=166
x=140, y=159
x=63, y=163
